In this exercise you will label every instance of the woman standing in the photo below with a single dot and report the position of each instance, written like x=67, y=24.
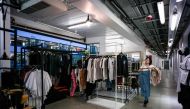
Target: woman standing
x=144, y=78
x=183, y=86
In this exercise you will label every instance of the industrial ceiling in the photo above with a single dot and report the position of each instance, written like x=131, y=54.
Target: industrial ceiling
x=134, y=12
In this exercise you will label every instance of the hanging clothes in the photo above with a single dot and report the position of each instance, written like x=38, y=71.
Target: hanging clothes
x=82, y=81
x=155, y=75
x=122, y=65
x=99, y=73
x=90, y=71
x=34, y=84
x=105, y=68
x=97, y=70
x=111, y=67
x=74, y=83
x=35, y=58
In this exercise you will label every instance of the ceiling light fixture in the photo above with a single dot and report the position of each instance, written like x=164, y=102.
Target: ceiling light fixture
x=174, y=19
x=179, y=0
x=86, y=23
x=161, y=12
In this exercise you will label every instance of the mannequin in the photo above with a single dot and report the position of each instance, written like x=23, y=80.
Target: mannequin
x=183, y=87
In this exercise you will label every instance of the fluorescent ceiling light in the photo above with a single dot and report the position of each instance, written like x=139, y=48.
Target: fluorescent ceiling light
x=86, y=23
x=161, y=11
x=114, y=36
x=179, y=0
x=174, y=21
x=78, y=25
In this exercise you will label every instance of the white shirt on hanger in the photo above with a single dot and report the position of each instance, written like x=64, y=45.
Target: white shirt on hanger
x=34, y=84
x=90, y=71
x=111, y=67
x=105, y=68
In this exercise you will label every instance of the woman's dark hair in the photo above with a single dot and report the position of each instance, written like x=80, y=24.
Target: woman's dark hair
x=150, y=59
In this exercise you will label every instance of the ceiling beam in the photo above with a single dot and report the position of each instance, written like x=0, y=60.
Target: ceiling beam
x=154, y=29
x=159, y=35
x=155, y=20
x=143, y=16
x=146, y=3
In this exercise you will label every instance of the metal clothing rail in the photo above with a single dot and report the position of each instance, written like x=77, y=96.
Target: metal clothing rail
x=42, y=76
x=42, y=50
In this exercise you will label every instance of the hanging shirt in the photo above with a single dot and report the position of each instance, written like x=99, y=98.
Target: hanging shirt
x=101, y=62
x=34, y=84
x=98, y=74
x=105, y=68
x=95, y=71
x=90, y=71
x=122, y=65
x=111, y=67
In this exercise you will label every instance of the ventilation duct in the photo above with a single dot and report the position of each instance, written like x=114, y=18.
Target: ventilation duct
x=32, y=6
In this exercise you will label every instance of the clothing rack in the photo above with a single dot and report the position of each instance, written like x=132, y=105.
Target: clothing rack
x=42, y=50
x=42, y=76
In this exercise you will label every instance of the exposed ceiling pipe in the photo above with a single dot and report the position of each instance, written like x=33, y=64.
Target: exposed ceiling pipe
x=125, y=18
x=157, y=38
x=57, y=3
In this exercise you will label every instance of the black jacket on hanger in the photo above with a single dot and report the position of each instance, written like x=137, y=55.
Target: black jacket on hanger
x=122, y=65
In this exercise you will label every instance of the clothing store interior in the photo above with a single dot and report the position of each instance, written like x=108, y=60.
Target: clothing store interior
x=94, y=54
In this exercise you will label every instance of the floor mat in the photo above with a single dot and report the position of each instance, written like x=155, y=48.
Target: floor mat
x=106, y=103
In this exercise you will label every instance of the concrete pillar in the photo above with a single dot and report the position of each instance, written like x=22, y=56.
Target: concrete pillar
x=5, y=63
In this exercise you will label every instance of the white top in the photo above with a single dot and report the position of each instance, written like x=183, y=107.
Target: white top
x=34, y=83
x=105, y=65
x=111, y=67
x=90, y=70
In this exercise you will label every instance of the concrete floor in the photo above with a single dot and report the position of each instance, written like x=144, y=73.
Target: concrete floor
x=163, y=96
